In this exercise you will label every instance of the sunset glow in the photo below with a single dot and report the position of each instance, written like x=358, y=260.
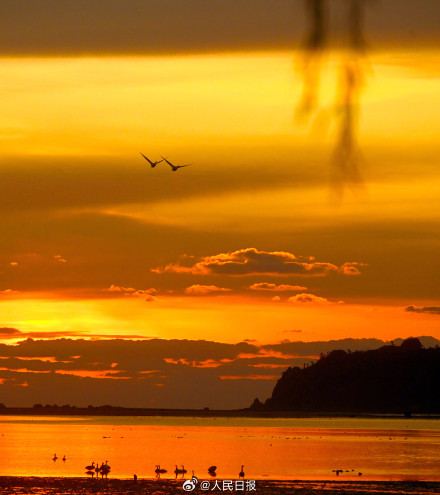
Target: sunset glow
x=256, y=241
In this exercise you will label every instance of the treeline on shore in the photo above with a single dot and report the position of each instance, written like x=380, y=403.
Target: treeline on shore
x=393, y=379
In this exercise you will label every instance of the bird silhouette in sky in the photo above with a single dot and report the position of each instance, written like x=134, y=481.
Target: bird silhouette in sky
x=174, y=168
x=153, y=164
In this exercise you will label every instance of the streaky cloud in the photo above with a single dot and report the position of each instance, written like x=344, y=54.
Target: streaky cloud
x=432, y=310
x=32, y=27
x=154, y=372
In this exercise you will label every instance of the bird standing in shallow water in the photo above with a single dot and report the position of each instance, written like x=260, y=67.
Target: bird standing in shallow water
x=180, y=471
x=241, y=473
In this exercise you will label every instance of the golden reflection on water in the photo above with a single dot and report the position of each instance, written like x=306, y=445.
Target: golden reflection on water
x=269, y=449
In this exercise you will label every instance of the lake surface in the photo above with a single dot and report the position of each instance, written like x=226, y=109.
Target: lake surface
x=304, y=448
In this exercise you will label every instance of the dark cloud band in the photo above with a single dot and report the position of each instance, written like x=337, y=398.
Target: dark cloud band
x=155, y=372
x=81, y=27
x=432, y=310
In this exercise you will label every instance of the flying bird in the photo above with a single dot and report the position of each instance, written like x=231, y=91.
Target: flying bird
x=153, y=164
x=174, y=168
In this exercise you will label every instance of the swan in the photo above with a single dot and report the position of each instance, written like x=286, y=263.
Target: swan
x=153, y=164
x=174, y=168
x=180, y=471
x=241, y=473
x=90, y=468
x=105, y=467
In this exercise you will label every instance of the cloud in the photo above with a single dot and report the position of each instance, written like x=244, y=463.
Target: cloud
x=251, y=261
x=276, y=298
x=117, y=288
x=31, y=27
x=351, y=268
x=60, y=259
x=200, y=290
x=7, y=333
x=85, y=372
x=308, y=299
x=249, y=377
x=432, y=310
x=154, y=372
x=132, y=292
x=274, y=287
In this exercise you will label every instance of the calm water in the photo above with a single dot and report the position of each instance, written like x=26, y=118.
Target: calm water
x=268, y=448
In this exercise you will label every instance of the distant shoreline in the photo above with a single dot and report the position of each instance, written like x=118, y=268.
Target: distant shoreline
x=204, y=413
x=86, y=486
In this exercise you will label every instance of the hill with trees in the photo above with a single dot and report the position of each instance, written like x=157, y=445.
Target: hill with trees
x=391, y=379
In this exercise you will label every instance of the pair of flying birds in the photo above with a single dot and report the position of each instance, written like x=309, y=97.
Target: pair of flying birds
x=174, y=168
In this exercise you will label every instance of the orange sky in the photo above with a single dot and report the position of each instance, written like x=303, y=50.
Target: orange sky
x=256, y=239
x=85, y=211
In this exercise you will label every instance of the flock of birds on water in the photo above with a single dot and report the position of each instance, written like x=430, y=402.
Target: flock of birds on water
x=174, y=168
x=212, y=471
x=104, y=469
